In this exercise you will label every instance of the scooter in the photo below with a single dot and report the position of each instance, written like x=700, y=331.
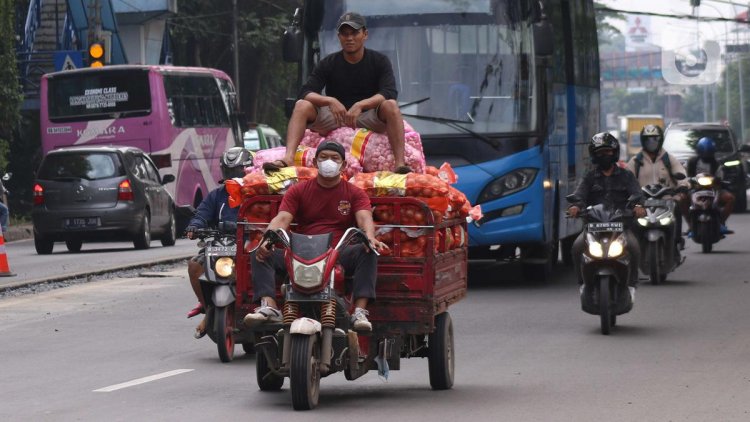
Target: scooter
x=705, y=215
x=316, y=338
x=605, y=268
x=658, y=235
x=218, y=285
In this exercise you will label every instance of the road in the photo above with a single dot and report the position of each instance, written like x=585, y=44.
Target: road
x=94, y=257
x=525, y=352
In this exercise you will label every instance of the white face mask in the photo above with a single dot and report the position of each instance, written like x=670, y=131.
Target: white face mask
x=329, y=168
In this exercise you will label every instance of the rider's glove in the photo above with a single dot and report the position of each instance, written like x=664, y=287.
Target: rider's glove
x=189, y=231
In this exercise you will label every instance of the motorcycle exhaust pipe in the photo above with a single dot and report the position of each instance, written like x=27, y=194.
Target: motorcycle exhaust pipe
x=325, y=350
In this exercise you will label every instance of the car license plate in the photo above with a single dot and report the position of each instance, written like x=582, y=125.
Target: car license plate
x=616, y=226
x=82, y=223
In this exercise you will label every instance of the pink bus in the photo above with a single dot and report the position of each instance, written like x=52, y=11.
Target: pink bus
x=183, y=117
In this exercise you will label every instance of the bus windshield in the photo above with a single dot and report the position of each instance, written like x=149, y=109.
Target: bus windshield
x=473, y=60
x=99, y=95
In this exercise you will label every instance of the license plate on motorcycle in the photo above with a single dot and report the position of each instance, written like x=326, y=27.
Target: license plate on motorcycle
x=81, y=222
x=221, y=250
x=616, y=226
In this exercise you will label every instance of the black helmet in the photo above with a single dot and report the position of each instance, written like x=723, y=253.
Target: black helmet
x=233, y=162
x=603, y=140
x=652, y=138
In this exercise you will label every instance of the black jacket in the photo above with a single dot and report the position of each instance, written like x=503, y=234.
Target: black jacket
x=613, y=191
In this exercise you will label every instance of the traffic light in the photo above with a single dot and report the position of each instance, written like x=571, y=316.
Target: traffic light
x=96, y=54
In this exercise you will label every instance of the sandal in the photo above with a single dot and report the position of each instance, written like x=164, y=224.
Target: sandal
x=403, y=170
x=274, y=166
x=200, y=330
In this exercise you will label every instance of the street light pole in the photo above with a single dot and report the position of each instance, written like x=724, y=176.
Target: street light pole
x=236, y=55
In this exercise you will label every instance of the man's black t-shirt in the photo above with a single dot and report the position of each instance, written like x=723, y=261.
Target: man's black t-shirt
x=350, y=83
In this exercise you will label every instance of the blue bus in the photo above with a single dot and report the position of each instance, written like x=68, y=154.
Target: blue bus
x=506, y=91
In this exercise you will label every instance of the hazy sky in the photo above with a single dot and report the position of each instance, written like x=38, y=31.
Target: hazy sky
x=674, y=33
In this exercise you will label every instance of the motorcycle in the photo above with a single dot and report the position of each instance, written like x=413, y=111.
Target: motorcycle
x=705, y=214
x=605, y=262
x=658, y=235
x=218, y=286
x=316, y=338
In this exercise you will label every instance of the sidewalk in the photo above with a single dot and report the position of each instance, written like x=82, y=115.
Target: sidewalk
x=19, y=232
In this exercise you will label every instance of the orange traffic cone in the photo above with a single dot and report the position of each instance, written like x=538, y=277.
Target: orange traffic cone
x=4, y=267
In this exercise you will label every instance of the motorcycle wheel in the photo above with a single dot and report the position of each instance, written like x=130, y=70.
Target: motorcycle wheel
x=304, y=376
x=605, y=305
x=441, y=360
x=653, y=264
x=224, y=321
x=706, y=247
x=267, y=380
x=613, y=320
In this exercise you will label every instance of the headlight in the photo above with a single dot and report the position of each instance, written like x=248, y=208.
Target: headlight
x=665, y=221
x=732, y=163
x=643, y=221
x=705, y=180
x=224, y=266
x=615, y=249
x=596, y=250
x=308, y=276
x=508, y=183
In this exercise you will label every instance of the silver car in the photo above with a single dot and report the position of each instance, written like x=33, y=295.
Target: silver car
x=101, y=193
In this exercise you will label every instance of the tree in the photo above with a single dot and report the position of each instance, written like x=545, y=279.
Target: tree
x=10, y=91
x=201, y=34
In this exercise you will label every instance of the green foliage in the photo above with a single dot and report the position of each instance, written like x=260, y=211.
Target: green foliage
x=10, y=92
x=202, y=36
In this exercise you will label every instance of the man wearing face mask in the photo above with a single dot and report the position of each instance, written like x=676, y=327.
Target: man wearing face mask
x=653, y=165
x=610, y=185
x=326, y=204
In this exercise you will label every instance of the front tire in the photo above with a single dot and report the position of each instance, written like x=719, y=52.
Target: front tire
x=43, y=245
x=653, y=264
x=143, y=237
x=441, y=359
x=224, y=321
x=605, y=307
x=169, y=238
x=304, y=377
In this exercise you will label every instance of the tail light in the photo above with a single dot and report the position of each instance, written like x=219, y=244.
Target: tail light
x=124, y=191
x=38, y=194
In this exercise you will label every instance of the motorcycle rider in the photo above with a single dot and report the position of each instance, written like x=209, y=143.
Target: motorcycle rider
x=213, y=209
x=705, y=162
x=322, y=205
x=612, y=186
x=653, y=165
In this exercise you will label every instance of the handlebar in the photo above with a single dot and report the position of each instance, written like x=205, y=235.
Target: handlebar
x=281, y=237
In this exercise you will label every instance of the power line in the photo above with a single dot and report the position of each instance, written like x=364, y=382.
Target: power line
x=667, y=15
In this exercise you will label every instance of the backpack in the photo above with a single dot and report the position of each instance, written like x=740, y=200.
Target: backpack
x=664, y=159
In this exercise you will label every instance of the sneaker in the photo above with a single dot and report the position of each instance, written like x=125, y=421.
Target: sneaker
x=725, y=230
x=359, y=320
x=632, y=294
x=262, y=314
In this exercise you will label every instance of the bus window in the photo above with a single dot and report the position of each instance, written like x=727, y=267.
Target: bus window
x=194, y=99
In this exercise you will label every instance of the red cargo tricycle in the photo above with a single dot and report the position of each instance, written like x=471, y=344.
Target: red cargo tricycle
x=409, y=318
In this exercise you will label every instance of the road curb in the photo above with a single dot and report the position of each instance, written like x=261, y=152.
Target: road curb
x=27, y=283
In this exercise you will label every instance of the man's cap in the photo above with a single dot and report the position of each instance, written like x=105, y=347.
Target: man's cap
x=355, y=20
x=330, y=146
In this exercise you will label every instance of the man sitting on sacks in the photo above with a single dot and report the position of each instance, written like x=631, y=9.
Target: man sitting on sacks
x=360, y=92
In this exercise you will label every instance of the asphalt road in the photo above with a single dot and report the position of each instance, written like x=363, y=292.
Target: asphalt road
x=524, y=352
x=30, y=267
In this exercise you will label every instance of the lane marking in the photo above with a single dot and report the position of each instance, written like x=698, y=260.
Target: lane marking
x=142, y=380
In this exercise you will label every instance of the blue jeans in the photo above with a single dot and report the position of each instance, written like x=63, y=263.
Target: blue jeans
x=4, y=217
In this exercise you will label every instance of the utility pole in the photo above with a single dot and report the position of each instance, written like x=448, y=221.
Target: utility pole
x=236, y=47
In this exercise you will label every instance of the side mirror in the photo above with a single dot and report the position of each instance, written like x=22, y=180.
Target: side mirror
x=745, y=148
x=573, y=198
x=168, y=178
x=543, y=36
x=292, y=44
